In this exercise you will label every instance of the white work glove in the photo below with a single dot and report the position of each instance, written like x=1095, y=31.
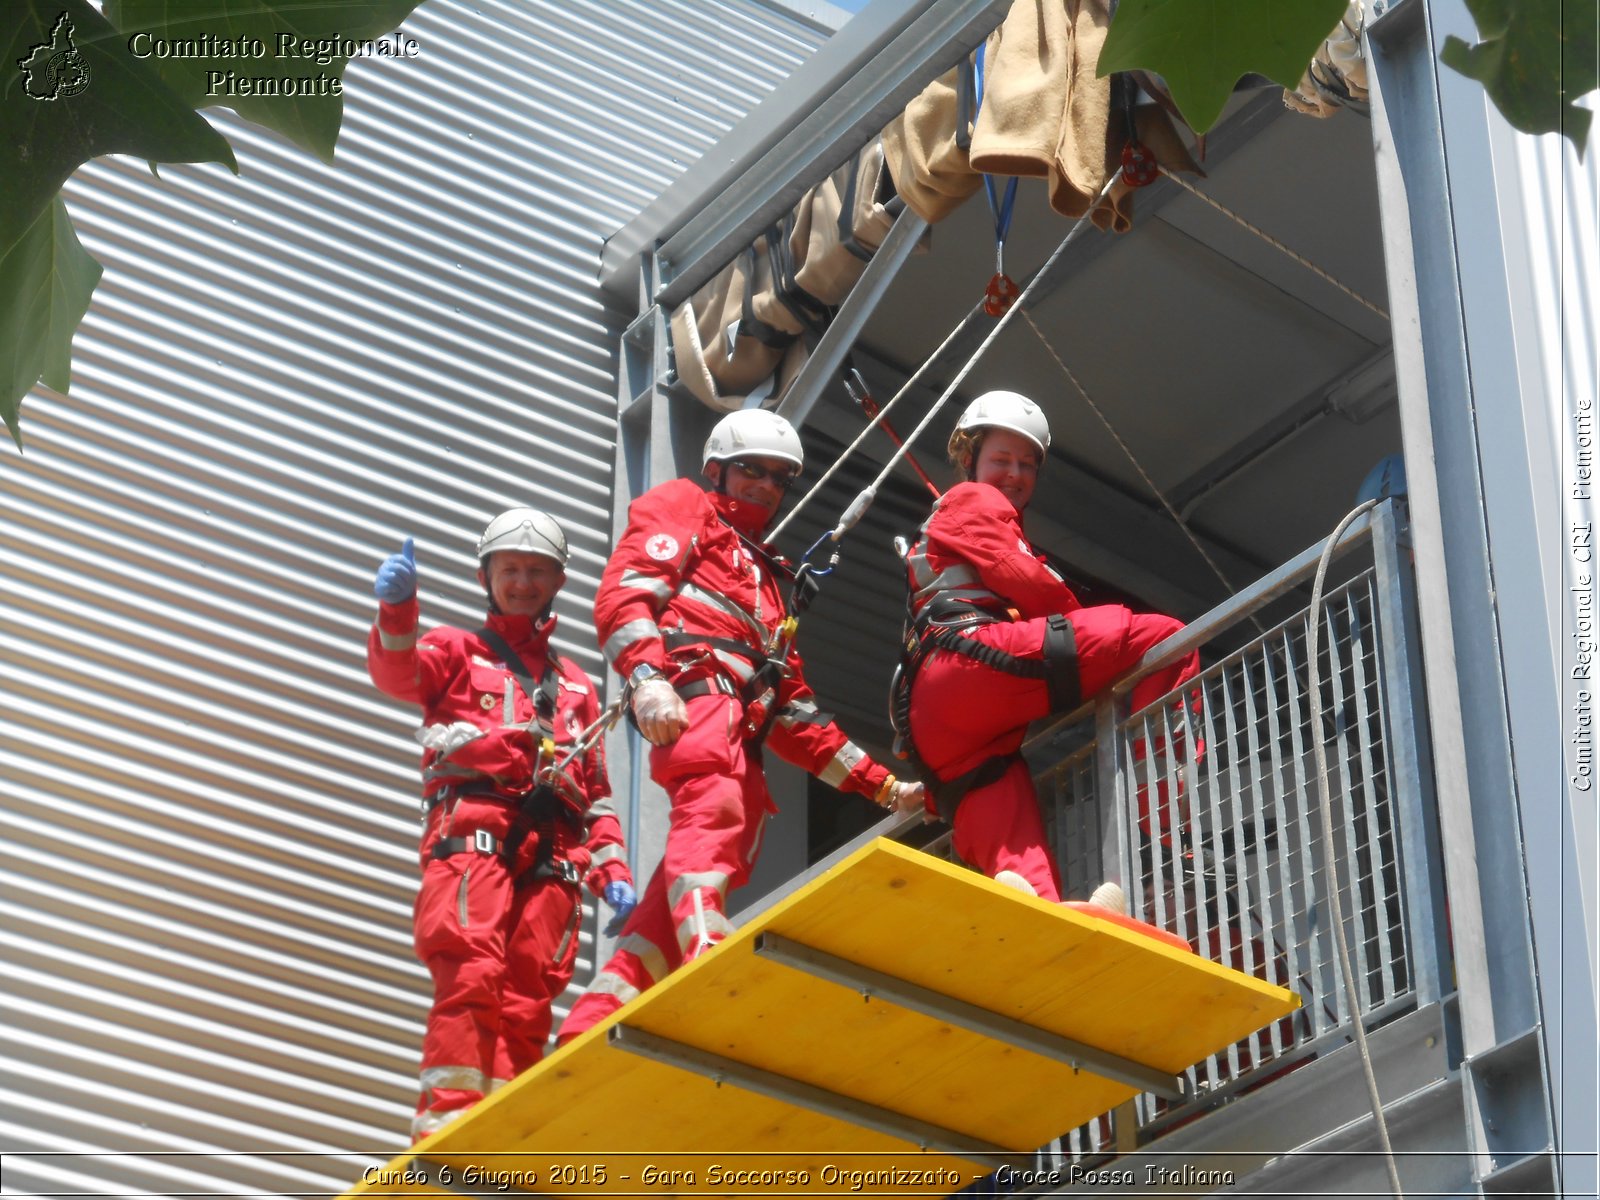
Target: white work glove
x=445, y=740
x=899, y=797
x=906, y=797
x=660, y=712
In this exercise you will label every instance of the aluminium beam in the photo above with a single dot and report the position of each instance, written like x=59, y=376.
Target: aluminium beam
x=799, y=136
x=804, y=1095
x=822, y=367
x=829, y=70
x=873, y=984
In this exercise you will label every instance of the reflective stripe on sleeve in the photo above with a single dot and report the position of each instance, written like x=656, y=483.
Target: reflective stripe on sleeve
x=637, y=581
x=634, y=631
x=605, y=854
x=396, y=641
x=842, y=763
x=607, y=984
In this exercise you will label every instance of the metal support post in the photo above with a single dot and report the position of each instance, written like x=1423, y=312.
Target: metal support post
x=823, y=365
x=804, y=1095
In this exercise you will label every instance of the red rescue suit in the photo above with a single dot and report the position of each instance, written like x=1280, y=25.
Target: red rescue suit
x=498, y=933
x=964, y=712
x=686, y=594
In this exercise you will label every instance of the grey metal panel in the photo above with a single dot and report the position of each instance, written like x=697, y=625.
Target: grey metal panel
x=1546, y=218
x=209, y=834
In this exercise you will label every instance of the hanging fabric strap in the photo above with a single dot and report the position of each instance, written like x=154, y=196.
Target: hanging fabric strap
x=1000, y=209
x=543, y=692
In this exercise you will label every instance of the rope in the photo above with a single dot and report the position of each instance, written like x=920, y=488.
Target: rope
x=882, y=415
x=1137, y=465
x=862, y=502
x=1347, y=973
x=1276, y=244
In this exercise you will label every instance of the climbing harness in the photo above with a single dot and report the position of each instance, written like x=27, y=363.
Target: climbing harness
x=766, y=653
x=947, y=624
x=554, y=796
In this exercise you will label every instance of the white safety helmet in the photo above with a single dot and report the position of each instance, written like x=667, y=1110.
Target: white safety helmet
x=753, y=433
x=525, y=529
x=1008, y=410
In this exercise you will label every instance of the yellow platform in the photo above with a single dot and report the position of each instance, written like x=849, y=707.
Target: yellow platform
x=895, y=1014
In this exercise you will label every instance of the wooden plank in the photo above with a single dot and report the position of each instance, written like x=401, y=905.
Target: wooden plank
x=590, y=1108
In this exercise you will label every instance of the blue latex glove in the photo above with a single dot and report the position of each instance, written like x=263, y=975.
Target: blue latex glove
x=619, y=894
x=397, y=578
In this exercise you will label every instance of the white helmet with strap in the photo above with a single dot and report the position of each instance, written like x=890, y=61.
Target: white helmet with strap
x=526, y=529
x=753, y=433
x=1007, y=410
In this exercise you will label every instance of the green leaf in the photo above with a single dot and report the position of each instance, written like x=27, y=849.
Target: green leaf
x=247, y=53
x=80, y=93
x=1535, y=59
x=46, y=280
x=1203, y=47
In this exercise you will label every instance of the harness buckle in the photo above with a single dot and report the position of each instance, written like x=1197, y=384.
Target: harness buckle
x=483, y=841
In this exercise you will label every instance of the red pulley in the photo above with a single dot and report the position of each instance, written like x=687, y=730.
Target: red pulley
x=1000, y=295
x=1139, y=166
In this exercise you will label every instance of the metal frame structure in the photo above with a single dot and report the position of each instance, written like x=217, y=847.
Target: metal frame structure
x=1466, y=1068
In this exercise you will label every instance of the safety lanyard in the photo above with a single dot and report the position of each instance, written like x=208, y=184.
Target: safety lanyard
x=543, y=693
x=1002, y=291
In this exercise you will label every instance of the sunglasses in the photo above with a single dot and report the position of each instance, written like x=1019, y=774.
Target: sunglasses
x=782, y=477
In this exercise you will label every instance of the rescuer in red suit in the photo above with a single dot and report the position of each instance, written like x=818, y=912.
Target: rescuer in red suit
x=691, y=612
x=1016, y=646
x=511, y=826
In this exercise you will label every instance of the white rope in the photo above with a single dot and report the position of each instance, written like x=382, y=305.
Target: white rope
x=1137, y=465
x=1276, y=244
x=863, y=501
x=883, y=415
x=1347, y=972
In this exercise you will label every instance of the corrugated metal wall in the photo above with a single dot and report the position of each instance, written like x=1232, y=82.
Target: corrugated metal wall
x=210, y=835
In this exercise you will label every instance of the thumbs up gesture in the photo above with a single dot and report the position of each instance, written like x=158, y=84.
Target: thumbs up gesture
x=397, y=578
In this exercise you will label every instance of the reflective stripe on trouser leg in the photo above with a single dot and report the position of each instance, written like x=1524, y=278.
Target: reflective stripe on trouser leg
x=541, y=952
x=703, y=926
x=467, y=961
x=646, y=953
x=446, y=1092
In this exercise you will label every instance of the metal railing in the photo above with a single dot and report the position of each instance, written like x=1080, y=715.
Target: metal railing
x=1205, y=806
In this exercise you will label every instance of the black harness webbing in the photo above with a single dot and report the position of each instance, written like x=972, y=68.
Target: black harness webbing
x=943, y=625
x=539, y=808
x=544, y=692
